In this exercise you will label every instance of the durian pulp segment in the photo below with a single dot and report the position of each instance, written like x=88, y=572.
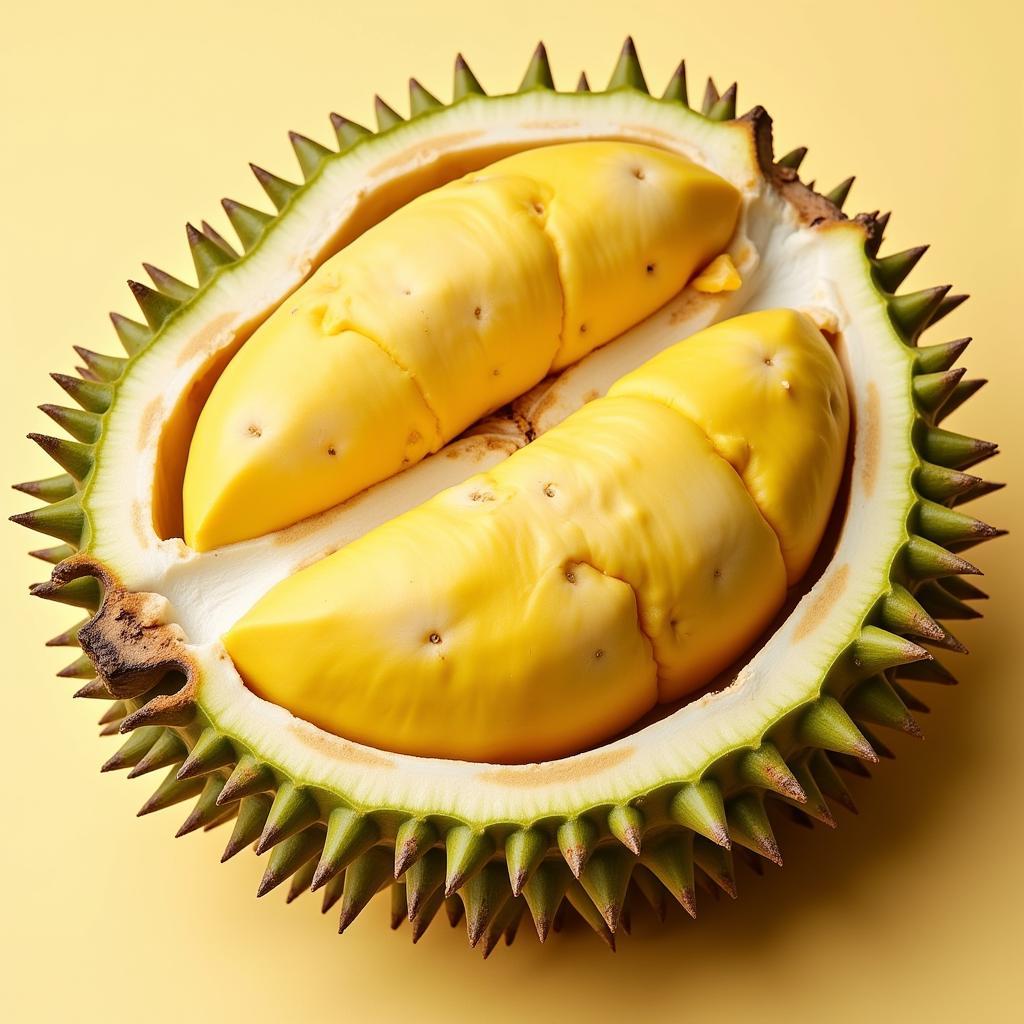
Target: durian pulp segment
x=453, y=306
x=625, y=557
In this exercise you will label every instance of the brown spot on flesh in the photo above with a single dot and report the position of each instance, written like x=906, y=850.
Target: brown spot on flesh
x=867, y=452
x=556, y=773
x=444, y=144
x=334, y=747
x=204, y=339
x=152, y=416
x=822, y=602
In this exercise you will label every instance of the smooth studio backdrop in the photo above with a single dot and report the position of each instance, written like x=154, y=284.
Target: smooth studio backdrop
x=121, y=121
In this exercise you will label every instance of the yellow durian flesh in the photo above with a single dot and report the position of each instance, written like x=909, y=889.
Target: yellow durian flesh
x=471, y=293
x=617, y=561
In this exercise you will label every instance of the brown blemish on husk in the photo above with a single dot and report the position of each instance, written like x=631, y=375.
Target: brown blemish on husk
x=823, y=602
x=552, y=773
x=203, y=339
x=868, y=451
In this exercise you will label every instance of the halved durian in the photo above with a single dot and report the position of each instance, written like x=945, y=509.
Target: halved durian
x=636, y=814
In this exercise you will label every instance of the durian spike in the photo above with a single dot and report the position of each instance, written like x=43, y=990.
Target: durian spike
x=964, y=390
x=937, y=483
x=73, y=456
x=963, y=589
x=876, y=744
x=398, y=904
x=793, y=159
x=426, y=914
x=584, y=906
x=300, y=880
x=942, y=604
x=386, y=116
x=211, y=751
x=670, y=859
x=350, y=834
x=290, y=855
x=711, y=97
x=421, y=99
x=83, y=592
x=626, y=823
x=95, y=689
x=933, y=358
x=903, y=613
x=877, y=649
x=467, y=850
x=749, y=826
x=605, y=879
x=92, y=395
x=114, y=713
x=926, y=560
x=839, y=194
x=364, y=878
x=716, y=862
x=347, y=132
x=63, y=519
x=155, y=306
x=310, y=154
x=948, y=527
x=538, y=73
x=108, y=368
x=766, y=768
x=413, y=839
x=453, y=910
x=172, y=791
x=524, y=850
x=507, y=918
x=815, y=805
x=293, y=809
x=207, y=256
x=134, y=337
x=912, y=312
x=544, y=892
x=249, y=223
x=81, y=668
x=424, y=878
x=206, y=809
x=81, y=425
x=54, y=556
x=952, y=450
x=698, y=806
x=826, y=725
x=249, y=776
x=675, y=91
x=583, y=84
x=576, y=838
x=874, y=700
x=69, y=638
x=926, y=672
x=828, y=780
x=724, y=109
x=332, y=892
x=464, y=81
x=931, y=390
x=133, y=750
x=891, y=271
x=168, y=284
x=252, y=816
x=483, y=896
x=219, y=240
x=628, y=74
x=946, y=306
x=912, y=702
x=979, y=490
x=279, y=191
x=168, y=750
x=516, y=918
x=49, y=489
x=652, y=890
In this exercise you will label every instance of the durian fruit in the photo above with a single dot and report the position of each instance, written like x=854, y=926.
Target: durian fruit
x=647, y=369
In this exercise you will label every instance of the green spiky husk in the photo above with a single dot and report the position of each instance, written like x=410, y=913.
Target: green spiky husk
x=598, y=860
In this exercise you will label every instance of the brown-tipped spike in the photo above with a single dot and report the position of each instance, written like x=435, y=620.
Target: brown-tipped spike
x=252, y=816
x=428, y=911
x=538, y=73
x=584, y=906
x=171, y=791
x=903, y=614
x=926, y=561
x=912, y=312
x=793, y=159
x=69, y=638
x=114, y=713
x=156, y=307
x=876, y=650
x=49, y=489
x=300, y=881
x=134, y=337
x=464, y=81
x=698, y=806
x=483, y=896
x=80, y=424
x=952, y=450
x=108, y=368
x=290, y=855
x=826, y=724
x=766, y=768
x=168, y=750
x=671, y=861
x=582, y=83
x=467, y=850
x=212, y=750
x=711, y=97
x=814, y=806
x=874, y=700
x=350, y=834
x=309, y=154
x=75, y=457
x=133, y=749
x=249, y=776
x=605, y=880
x=837, y=197
x=675, y=91
x=293, y=809
x=626, y=823
x=208, y=256
x=932, y=358
x=926, y=672
x=248, y=222
x=931, y=390
x=421, y=99
x=576, y=838
x=332, y=893
x=628, y=73
x=206, y=810
x=424, y=878
x=725, y=108
x=348, y=132
x=413, y=839
x=364, y=878
x=397, y=892
x=544, y=892
x=962, y=392
x=279, y=191
x=386, y=116
x=95, y=689
x=828, y=780
x=750, y=828
x=94, y=396
x=54, y=556
x=715, y=862
x=80, y=668
x=524, y=850
x=168, y=284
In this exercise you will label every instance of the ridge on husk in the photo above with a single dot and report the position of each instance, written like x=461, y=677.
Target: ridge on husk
x=653, y=846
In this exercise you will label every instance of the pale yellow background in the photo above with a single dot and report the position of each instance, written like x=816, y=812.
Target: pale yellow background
x=122, y=120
